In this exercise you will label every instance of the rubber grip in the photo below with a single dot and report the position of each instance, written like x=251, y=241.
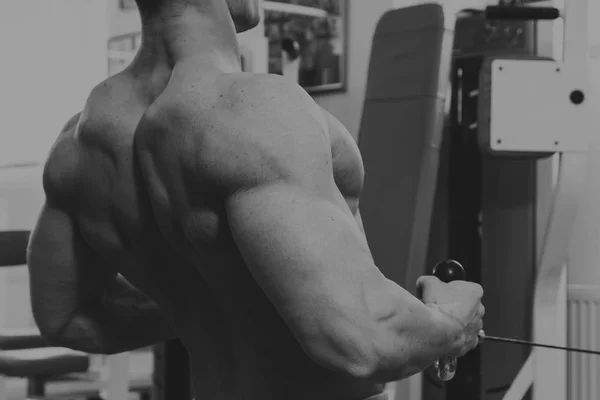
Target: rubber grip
x=521, y=13
x=448, y=271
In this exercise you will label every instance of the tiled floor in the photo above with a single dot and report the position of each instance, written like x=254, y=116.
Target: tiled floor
x=140, y=370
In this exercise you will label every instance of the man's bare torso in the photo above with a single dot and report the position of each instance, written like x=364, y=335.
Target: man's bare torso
x=170, y=237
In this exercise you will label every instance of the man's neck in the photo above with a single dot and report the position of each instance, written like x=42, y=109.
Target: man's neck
x=174, y=32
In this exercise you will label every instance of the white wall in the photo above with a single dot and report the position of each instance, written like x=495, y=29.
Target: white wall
x=584, y=261
x=54, y=52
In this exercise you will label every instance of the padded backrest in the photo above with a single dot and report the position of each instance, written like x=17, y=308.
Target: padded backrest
x=400, y=136
x=13, y=248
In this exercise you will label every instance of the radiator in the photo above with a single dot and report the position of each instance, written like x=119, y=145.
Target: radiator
x=584, y=332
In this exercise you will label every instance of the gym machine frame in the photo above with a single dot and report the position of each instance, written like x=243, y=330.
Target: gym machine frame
x=526, y=98
x=516, y=126
x=525, y=102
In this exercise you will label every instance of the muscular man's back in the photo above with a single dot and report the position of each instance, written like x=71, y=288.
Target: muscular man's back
x=91, y=172
x=239, y=345
x=255, y=353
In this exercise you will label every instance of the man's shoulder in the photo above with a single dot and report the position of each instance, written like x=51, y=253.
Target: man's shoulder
x=267, y=94
x=271, y=107
x=249, y=128
x=102, y=128
x=233, y=98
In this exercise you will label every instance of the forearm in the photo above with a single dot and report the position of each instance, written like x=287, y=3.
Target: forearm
x=124, y=320
x=413, y=336
x=423, y=332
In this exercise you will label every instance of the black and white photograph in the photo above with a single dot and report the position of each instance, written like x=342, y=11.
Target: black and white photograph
x=300, y=200
x=311, y=33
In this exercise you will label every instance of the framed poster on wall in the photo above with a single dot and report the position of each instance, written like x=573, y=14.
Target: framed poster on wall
x=127, y=4
x=316, y=31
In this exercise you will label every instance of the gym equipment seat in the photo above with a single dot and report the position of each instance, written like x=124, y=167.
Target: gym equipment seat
x=25, y=354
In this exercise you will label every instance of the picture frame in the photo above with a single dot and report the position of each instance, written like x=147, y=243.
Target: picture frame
x=127, y=4
x=315, y=31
